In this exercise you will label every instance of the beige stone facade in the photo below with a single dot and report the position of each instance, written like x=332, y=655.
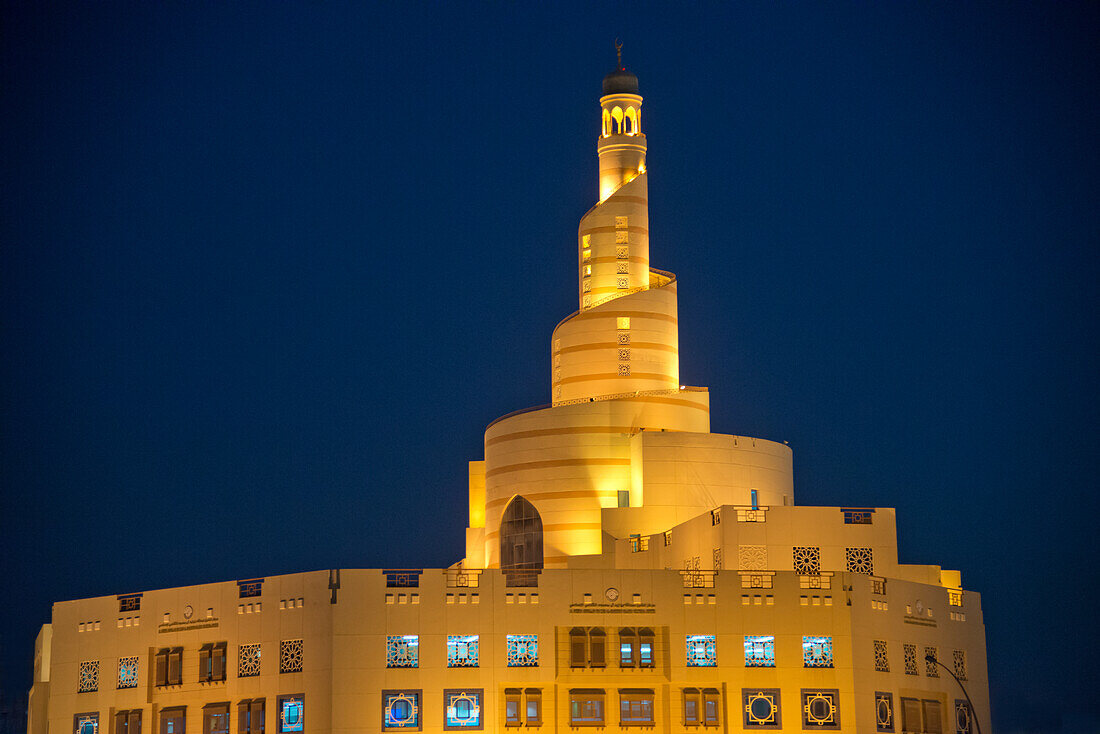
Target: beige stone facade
x=625, y=569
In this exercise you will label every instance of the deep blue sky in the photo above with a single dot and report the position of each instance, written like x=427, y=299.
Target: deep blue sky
x=252, y=253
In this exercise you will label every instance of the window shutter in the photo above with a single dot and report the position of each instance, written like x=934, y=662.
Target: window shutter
x=120, y=722
x=257, y=716
x=175, y=667
x=242, y=717
x=134, y=723
x=162, y=667
x=204, y=665
x=933, y=718
x=577, y=652
x=645, y=647
x=597, y=648
x=710, y=705
x=910, y=715
x=218, y=662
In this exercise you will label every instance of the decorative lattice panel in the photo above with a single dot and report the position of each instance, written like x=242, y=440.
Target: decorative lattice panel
x=807, y=560
x=859, y=560
x=248, y=660
x=128, y=672
x=702, y=651
x=752, y=557
x=290, y=656
x=820, y=709
x=624, y=370
x=817, y=652
x=89, y=676
x=621, y=222
x=717, y=559
x=882, y=661
x=624, y=337
x=621, y=236
x=622, y=253
x=624, y=354
x=402, y=651
x=622, y=268
x=462, y=651
x=523, y=651
x=960, y=664
x=930, y=668
x=622, y=283
x=759, y=651
x=911, y=660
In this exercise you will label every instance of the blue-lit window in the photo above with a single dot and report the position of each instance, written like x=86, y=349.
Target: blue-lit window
x=462, y=709
x=759, y=651
x=817, y=652
x=402, y=651
x=86, y=724
x=292, y=712
x=523, y=651
x=462, y=651
x=755, y=499
x=400, y=710
x=702, y=651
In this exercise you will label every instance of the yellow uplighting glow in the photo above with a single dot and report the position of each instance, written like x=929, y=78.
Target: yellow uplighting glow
x=624, y=323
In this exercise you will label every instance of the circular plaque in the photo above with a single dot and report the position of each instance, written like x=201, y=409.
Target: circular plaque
x=188, y=611
x=612, y=594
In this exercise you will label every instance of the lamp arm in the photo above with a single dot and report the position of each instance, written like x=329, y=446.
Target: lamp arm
x=968, y=701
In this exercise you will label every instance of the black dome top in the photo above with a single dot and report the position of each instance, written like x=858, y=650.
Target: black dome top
x=620, y=81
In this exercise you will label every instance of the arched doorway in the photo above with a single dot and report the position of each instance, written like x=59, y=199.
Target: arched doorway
x=520, y=536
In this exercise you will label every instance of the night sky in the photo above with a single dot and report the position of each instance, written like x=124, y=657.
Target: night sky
x=269, y=269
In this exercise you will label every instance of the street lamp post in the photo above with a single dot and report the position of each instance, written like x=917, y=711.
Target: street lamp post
x=970, y=704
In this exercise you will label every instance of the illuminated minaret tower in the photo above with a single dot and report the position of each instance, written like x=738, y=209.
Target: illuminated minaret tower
x=624, y=448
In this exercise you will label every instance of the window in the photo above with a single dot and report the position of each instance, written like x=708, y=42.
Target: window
x=931, y=669
x=624, y=498
x=884, y=711
x=635, y=647
x=960, y=664
x=462, y=709
x=820, y=709
x=587, y=647
x=857, y=515
x=169, y=666
x=759, y=651
x=248, y=660
x=290, y=656
x=462, y=651
x=402, y=651
x=292, y=713
x=520, y=537
x=621, y=237
x=882, y=662
x=878, y=585
x=128, y=672
x=716, y=516
x=911, y=660
x=522, y=706
x=400, y=710
x=587, y=270
x=636, y=706
x=817, y=652
x=129, y=602
x=702, y=651
x=954, y=597
x=89, y=676
x=250, y=716
x=639, y=543
x=668, y=538
x=215, y=718
x=250, y=588
x=586, y=707
x=761, y=708
x=212, y=662
x=963, y=717
x=86, y=724
x=586, y=255
x=173, y=720
x=128, y=722
x=859, y=560
x=523, y=651
x=807, y=560
x=701, y=706
x=622, y=322
x=402, y=578
x=933, y=716
x=621, y=222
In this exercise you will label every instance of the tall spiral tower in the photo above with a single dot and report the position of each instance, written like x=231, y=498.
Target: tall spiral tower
x=623, y=448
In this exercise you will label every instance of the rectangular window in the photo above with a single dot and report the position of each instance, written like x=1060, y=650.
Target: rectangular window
x=754, y=498
x=292, y=713
x=128, y=672
x=215, y=718
x=586, y=255
x=933, y=716
x=513, y=707
x=523, y=651
x=954, y=598
x=250, y=588
x=692, y=706
x=882, y=660
x=401, y=710
x=169, y=666
x=622, y=322
x=212, y=662
x=624, y=498
x=711, y=705
x=533, y=705
x=462, y=651
x=129, y=602
x=910, y=715
x=628, y=647
x=620, y=222
x=857, y=515
x=586, y=707
x=587, y=270
x=817, y=652
x=759, y=651
x=250, y=716
x=960, y=664
x=716, y=516
x=128, y=722
x=86, y=723
x=911, y=660
x=402, y=651
x=462, y=709
x=645, y=648
x=597, y=647
x=668, y=537
x=173, y=720
x=636, y=706
x=702, y=651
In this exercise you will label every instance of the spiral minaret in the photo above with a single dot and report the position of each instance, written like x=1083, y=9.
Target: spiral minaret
x=623, y=448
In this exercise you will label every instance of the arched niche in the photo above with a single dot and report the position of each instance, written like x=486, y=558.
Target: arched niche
x=520, y=536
